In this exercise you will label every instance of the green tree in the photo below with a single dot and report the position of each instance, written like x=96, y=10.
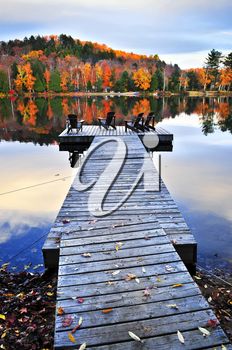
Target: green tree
x=154, y=82
x=4, y=84
x=212, y=65
x=193, y=80
x=160, y=79
x=228, y=61
x=89, y=85
x=174, y=82
x=98, y=85
x=54, y=84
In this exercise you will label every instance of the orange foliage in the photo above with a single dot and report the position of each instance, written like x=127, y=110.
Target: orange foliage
x=64, y=77
x=223, y=110
x=32, y=55
x=142, y=78
x=106, y=75
x=28, y=112
x=47, y=77
x=65, y=106
x=25, y=78
x=141, y=106
x=225, y=77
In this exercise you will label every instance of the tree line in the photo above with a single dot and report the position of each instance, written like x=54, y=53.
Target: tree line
x=63, y=64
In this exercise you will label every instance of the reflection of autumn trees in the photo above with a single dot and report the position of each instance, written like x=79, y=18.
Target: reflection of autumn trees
x=41, y=120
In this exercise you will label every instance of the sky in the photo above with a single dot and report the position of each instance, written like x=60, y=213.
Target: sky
x=180, y=31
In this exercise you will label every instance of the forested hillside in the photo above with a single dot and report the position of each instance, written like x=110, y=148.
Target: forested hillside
x=62, y=64
x=57, y=64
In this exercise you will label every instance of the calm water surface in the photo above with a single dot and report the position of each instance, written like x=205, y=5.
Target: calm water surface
x=35, y=176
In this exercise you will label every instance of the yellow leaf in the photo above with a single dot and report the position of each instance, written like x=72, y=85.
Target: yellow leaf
x=180, y=337
x=177, y=285
x=3, y=335
x=71, y=338
x=50, y=294
x=3, y=317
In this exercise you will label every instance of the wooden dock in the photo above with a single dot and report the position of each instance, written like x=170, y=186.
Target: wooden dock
x=121, y=273
x=88, y=133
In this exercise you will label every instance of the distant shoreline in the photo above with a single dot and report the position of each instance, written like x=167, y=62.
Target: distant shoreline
x=123, y=94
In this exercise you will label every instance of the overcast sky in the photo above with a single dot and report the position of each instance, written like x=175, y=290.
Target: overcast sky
x=180, y=31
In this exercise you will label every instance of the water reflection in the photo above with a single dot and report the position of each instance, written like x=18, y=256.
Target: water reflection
x=40, y=120
x=198, y=172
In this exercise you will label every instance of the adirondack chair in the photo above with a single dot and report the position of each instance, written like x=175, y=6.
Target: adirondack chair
x=135, y=124
x=150, y=118
x=108, y=121
x=73, y=123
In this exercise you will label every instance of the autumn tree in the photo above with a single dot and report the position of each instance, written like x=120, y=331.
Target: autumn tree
x=25, y=78
x=142, y=79
x=47, y=77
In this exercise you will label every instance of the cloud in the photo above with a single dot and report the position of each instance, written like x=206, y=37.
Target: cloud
x=161, y=26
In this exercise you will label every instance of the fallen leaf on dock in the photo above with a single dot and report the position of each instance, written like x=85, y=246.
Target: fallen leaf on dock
x=116, y=272
x=83, y=346
x=60, y=311
x=67, y=321
x=110, y=283
x=143, y=269
x=71, y=338
x=212, y=323
x=147, y=292
x=173, y=306
x=169, y=268
x=224, y=347
x=204, y=331
x=177, y=285
x=118, y=246
x=130, y=276
x=86, y=255
x=66, y=221
x=106, y=311
x=137, y=280
x=180, y=337
x=135, y=337
x=80, y=300
x=78, y=325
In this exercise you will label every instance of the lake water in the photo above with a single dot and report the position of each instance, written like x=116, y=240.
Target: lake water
x=35, y=176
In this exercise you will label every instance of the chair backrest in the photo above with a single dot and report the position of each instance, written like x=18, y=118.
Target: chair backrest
x=109, y=117
x=138, y=119
x=72, y=120
x=149, y=118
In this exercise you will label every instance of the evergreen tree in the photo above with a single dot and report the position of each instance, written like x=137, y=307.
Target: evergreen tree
x=174, y=82
x=98, y=85
x=228, y=61
x=54, y=84
x=193, y=83
x=154, y=82
x=160, y=79
x=4, y=85
x=212, y=65
x=89, y=86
